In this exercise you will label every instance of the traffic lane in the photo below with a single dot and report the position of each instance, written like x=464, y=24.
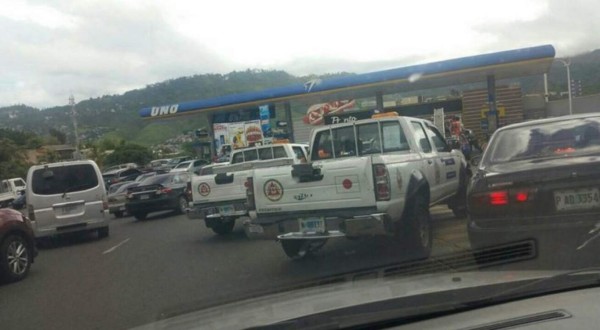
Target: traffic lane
x=147, y=270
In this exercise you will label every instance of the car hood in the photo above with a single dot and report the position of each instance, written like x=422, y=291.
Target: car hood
x=288, y=305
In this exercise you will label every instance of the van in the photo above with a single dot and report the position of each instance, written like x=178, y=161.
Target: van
x=67, y=197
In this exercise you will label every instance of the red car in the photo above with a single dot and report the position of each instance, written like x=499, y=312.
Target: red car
x=17, y=245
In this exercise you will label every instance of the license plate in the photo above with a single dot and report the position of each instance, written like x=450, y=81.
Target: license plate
x=68, y=209
x=312, y=225
x=227, y=209
x=122, y=208
x=144, y=196
x=577, y=199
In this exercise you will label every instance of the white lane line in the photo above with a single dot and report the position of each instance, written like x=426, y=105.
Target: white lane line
x=115, y=247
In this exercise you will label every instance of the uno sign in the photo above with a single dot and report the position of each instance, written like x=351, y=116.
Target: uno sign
x=164, y=110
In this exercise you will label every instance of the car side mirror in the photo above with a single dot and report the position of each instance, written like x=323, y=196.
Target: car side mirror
x=475, y=160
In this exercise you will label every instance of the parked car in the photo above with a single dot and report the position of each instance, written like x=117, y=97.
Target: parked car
x=158, y=193
x=120, y=167
x=117, y=196
x=538, y=180
x=159, y=164
x=175, y=161
x=190, y=166
x=67, y=197
x=120, y=175
x=17, y=245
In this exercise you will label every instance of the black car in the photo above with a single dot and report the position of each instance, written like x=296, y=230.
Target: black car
x=158, y=193
x=538, y=180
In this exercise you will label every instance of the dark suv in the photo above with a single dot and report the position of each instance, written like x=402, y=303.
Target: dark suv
x=17, y=245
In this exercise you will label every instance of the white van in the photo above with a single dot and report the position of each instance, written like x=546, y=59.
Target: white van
x=67, y=197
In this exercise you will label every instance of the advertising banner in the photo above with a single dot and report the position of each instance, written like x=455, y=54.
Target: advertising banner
x=237, y=138
x=221, y=135
x=316, y=113
x=253, y=132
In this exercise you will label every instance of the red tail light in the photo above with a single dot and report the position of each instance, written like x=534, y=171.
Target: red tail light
x=522, y=196
x=249, y=184
x=382, y=182
x=499, y=197
x=104, y=205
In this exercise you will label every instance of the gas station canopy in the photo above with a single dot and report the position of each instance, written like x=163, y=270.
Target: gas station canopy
x=472, y=69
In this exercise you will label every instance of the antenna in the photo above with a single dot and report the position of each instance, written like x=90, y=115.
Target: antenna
x=73, y=116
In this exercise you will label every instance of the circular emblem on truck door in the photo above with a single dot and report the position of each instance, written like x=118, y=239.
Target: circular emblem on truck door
x=204, y=189
x=273, y=190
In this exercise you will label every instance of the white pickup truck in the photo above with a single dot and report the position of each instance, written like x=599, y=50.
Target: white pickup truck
x=219, y=198
x=10, y=189
x=372, y=177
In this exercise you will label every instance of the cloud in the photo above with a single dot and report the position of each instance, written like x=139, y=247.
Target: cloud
x=53, y=48
x=109, y=51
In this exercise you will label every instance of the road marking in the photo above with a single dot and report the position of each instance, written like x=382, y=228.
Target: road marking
x=115, y=247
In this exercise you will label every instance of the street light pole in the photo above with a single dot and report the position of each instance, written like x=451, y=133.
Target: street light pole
x=567, y=65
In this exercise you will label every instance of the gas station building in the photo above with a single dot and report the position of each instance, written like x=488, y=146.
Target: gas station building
x=489, y=99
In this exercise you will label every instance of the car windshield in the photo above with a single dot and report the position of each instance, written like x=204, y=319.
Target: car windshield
x=259, y=161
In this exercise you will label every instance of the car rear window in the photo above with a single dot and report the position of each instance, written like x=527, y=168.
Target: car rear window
x=546, y=140
x=61, y=179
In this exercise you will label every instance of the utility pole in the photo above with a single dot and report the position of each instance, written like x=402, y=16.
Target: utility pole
x=567, y=64
x=73, y=116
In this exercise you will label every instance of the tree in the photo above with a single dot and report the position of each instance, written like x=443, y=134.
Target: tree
x=60, y=136
x=12, y=160
x=129, y=153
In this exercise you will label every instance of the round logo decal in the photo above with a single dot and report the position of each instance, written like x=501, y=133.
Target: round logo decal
x=273, y=190
x=204, y=189
x=347, y=183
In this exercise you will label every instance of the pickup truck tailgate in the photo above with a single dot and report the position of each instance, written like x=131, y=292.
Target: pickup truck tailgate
x=339, y=184
x=219, y=187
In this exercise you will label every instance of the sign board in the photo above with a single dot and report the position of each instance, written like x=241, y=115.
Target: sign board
x=438, y=120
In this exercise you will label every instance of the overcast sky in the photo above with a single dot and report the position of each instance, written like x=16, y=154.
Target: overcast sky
x=52, y=48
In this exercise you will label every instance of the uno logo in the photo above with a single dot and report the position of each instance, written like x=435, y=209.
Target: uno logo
x=273, y=190
x=204, y=189
x=164, y=110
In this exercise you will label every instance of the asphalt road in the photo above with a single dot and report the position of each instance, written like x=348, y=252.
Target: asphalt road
x=168, y=265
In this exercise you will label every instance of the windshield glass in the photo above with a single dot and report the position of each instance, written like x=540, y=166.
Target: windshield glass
x=305, y=155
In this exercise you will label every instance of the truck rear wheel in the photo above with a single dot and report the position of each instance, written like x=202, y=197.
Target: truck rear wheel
x=418, y=233
x=295, y=248
x=225, y=227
